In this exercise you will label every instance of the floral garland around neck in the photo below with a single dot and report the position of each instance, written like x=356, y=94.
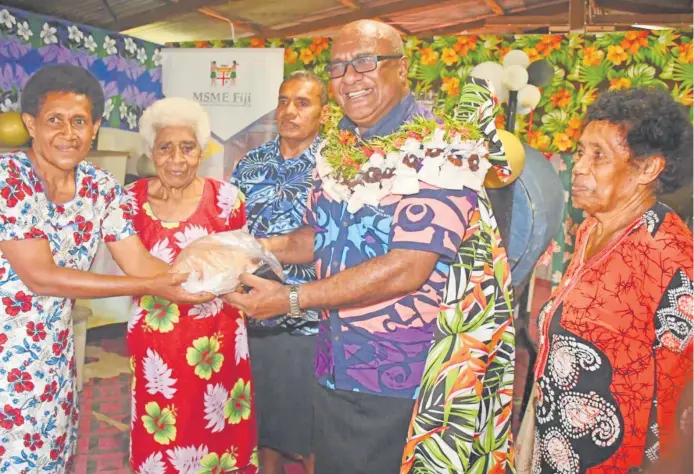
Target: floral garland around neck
x=447, y=154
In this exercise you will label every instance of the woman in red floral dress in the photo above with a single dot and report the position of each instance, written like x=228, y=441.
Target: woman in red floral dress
x=191, y=395
x=616, y=336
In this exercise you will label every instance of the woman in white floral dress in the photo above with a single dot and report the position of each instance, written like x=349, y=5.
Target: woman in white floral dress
x=191, y=395
x=55, y=208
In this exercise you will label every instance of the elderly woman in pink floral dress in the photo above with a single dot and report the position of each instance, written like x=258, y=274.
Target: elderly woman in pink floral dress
x=191, y=403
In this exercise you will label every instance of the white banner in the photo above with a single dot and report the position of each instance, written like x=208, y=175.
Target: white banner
x=237, y=87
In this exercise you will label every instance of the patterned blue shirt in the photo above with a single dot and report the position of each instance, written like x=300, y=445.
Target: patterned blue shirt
x=276, y=198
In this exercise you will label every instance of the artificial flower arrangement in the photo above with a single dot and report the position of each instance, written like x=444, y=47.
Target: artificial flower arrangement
x=442, y=152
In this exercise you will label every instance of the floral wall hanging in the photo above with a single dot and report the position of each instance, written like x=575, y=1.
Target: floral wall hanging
x=129, y=69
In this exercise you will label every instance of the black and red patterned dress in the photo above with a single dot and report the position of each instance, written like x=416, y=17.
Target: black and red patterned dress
x=615, y=350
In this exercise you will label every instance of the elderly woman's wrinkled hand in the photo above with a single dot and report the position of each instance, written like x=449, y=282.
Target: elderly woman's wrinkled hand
x=266, y=298
x=168, y=286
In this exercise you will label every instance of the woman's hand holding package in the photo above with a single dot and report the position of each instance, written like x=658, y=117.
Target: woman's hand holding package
x=215, y=263
x=168, y=286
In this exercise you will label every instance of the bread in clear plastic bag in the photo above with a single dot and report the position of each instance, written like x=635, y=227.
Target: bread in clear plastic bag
x=215, y=262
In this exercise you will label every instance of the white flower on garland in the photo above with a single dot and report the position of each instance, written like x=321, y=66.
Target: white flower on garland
x=130, y=45
x=8, y=106
x=24, y=31
x=74, y=34
x=142, y=55
x=89, y=43
x=157, y=57
x=108, y=107
x=7, y=19
x=123, y=110
x=48, y=34
x=110, y=47
x=132, y=120
x=443, y=157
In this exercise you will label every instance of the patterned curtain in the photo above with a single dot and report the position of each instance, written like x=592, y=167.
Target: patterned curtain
x=584, y=65
x=128, y=69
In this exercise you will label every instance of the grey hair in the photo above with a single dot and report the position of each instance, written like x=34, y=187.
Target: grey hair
x=174, y=112
x=309, y=76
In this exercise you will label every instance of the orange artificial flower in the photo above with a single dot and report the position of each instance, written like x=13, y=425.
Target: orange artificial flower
x=319, y=45
x=616, y=55
x=306, y=56
x=592, y=56
x=575, y=123
x=257, y=43
x=449, y=57
x=539, y=141
x=619, y=83
x=562, y=141
x=548, y=43
x=685, y=52
x=452, y=86
x=634, y=40
x=290, y=56
x=202, y=44
x=561, y=99
x=429, y=56
x=500, y=122
x=502, y=52
x=533, y=54
x=465, y=44
x=347, y=138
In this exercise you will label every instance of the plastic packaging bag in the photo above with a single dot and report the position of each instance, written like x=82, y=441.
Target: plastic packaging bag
x=214, y=262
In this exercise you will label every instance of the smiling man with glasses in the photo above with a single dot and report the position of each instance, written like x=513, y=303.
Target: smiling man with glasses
x=381, y=271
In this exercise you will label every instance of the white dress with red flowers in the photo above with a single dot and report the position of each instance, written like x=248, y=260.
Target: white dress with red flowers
x=38, y=410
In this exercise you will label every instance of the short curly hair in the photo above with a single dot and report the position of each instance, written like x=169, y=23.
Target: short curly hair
x=62, y=78
x=175, y=112
x=655, y=124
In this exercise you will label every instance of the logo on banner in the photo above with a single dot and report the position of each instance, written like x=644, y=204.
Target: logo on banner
x=223, y=76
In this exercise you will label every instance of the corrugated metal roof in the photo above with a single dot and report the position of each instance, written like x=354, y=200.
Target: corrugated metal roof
x=179, y=20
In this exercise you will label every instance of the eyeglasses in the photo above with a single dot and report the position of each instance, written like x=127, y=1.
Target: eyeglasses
x=360, y=65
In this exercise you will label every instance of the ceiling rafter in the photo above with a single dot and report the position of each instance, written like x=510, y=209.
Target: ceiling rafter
x=240, y=23
x=496, y=8
x=629, y=6
x=399, y=8
x=354, y=6
x=162, y=13
x=547, y=9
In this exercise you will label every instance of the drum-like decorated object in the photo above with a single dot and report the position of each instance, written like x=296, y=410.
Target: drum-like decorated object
x=537, y=215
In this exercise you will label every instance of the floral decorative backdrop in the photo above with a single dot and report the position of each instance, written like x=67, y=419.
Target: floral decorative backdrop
x=128, y=68
x=584, y=65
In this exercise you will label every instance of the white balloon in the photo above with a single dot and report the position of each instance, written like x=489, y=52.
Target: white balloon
x=492, y=72
x=516, y=57
x=515, y=77
x=528, y=98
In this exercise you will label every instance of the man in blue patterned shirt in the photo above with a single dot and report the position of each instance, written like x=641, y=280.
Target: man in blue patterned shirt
x=276, y=179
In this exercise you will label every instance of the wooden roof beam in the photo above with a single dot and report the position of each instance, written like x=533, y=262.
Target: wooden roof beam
x=399, y=8
x=665, y=19
x=546, y=9
x=643, y=7
x=577, y=16
x=352, y=5
x=162, y=13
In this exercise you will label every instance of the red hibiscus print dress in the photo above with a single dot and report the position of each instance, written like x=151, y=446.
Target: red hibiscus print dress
x=191, y=395
x=38, y=405
x=616, y=351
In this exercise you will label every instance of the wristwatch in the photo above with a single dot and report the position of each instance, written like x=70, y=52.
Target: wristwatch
x=294, y=306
